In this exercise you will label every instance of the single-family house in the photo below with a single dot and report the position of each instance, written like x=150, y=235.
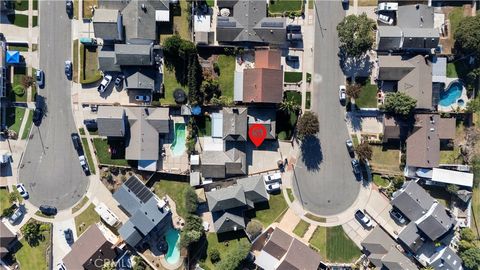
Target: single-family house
x=140, y=18
x=7, y=240
x=148, y=214
x=108, y=25
x=414, y=31
x=229, y=204
x=284, y=252
x=382, y=251
x=246, y=22
x=91, y=251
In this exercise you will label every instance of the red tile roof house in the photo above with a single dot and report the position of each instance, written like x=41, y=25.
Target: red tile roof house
x=264, y=82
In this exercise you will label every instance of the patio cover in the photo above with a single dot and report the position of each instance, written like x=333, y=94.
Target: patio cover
x=452, y=177
x=217, y=125
x=13, y=57
x=267, y=261
x=147, y=165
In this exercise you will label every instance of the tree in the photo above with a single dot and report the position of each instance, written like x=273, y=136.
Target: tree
x=356, y=35
x=353, y=90
x=194, y=77
x=18, y=90
x=214, y=255
x=191, y=200
x=467, y=234
x=172, y=44
x=307, y=125
x=467, y=35
x=473, y=105
x=364, y=151
x=27, y=81
x=192, y=232
x=289, y=106
x=109, y=265
x=399, y=103
x=32, y=233
x=464, y=245
x=471, y=258
x=210, y=89
x=234, y=257
x=254, y=229
x=452, y=189
x=8, y=211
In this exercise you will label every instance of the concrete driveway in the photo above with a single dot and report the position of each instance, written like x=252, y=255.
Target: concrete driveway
x=378, y=207
x=60, y=245
x=323, y=180
x=356, y=231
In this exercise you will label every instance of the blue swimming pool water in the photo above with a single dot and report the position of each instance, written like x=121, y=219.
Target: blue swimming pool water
x=450, y=96
x=178, y=146
x=173, y=253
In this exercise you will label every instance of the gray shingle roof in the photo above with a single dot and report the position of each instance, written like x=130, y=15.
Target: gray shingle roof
x=300, y=257
x=139, y=23
x=265, y=116
x=133, y=55
x=111, y=121
x=235, y=124
x=278, y=244
x=413, y=201
x=448, y=260
x=106, y=60
x=107, y=24
x=141, y=78
x=226, y=198
x=254, y=188
x=415, y=16
x=410, y=236
x=437, y=223
x=230, y=220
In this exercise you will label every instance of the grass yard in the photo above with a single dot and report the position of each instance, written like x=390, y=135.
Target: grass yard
x=315, y=218
x=311, y=4
x=34, y=21
x=380, y=181
x=451, y=156
x=457, y=69
x=308, y=100
x=86, y=149
x=368, y=94
x=4, y=203
x=85, y=219
x=33, y=94
x=28, y=125
x=295, y=96
x=103, y=154
x=34, y=257
x=455, y=16
x=180, y=22
x=21, y=5
x=319, y=240
x=40, y=214
x=170, y=82
x=440, y=194
x=35, y=5
x=204, y=124
x=277, y=207
x=291, y=197
x=221, y=247
x=89, y=72
x=385, y=159
x=75, y=61
x=292, y=77
x=19, y=47
x=226, y=63
x=19, y=20
x=476, y=211
x=174, y=190
x=75, y=9
x=87, y=8
x=14, y=118
x=355, y=140
x=280, y=6
x=79, y=205
x=301, y=228
x=210, y=3
x=334, y=245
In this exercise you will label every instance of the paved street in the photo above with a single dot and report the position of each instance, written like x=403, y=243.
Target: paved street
x=50, y=169
x=323, y=179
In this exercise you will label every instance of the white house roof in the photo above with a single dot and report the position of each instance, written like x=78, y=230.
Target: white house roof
x=238, y=86
x=201, y=23
x=267, y=261
x=217, y=125
x=452, y=177
x=162, y=15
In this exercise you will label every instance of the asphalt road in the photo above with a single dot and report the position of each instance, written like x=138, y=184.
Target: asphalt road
x=323, y=179
x=50, y=168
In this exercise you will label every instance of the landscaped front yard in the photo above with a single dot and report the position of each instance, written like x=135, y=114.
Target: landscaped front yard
x=89, y=72
x=28, y=125
x=380, y=181
x=280, y=6
x=222, y=247
x=301, y=228
x=4, y=202
x=104, y=156
x=19, y=20
x=368, y=94
x=85, y=219
x=35, y=257
x=174, y=190
x=14, y=118
x=226, y=63
x=384, y=159
x=277, y=206
x=334, y=245
x=292, y=77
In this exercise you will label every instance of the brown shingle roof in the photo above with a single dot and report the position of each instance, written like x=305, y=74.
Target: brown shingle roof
x=300, y=257
x=278, y=244
x=264, y=83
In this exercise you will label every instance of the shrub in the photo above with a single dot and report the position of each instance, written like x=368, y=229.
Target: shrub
x=18, y=90
x=191, y=200
x=233, y=258
x=307, y=125
x=27, y=81
x=214, y=255
x=254, y=228
x=216, y=68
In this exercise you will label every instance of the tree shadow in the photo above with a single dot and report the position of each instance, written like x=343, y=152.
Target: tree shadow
x=311, y=150
x=355, y=67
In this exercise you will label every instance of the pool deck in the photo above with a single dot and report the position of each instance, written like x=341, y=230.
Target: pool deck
x=170, y=162
x=454, y=107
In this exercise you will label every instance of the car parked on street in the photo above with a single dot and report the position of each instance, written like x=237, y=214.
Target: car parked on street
x=68, y=69
x=77, y=143
x=142, y=98
x=84, y=164
x=21, y=189
x=37, y=116
x=15, y=216
x=342, y=96
x=68, y=236
x=356, y=166
x=107, y=79
x=397, y=216
x=40, y=77
x=349, y=145
x=69, y=7
x=48, y=210
x=363, y=219
x=273, y=187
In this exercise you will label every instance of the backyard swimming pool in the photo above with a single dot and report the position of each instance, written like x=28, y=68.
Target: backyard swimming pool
x=449, y=97
x=173, y=253
x=178, y=145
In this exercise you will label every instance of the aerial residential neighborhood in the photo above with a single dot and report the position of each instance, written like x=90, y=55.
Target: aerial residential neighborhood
x=239, y=134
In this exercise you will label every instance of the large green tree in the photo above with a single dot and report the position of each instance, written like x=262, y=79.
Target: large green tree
x=192, y=232
x=364, y=151
x=307, y=125
x=471, y=258
x=32, y=233
x=234, y=257
x=191, y=200
x=467, y=35
x=399, y=103
x=356, y=35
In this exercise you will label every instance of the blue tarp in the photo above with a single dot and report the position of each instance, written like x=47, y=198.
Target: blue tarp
x=196, y=110
x=13, y=57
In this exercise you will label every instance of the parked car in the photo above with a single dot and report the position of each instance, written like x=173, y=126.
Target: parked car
x=275, y=177
x=385, y=19
x=397, y=216
x=356, y=166
x=77, y=143
x=37, y=116
x=22, y=190
x=294, y=36
x=142, y=98
x=68, y=235
x=90, y=124
x=69, y=7
x=118, y=82
x=84, y=164
x=294, y=28
x=364, y=219
x=273, y=187
x=68, y=69
x=107, y=79
x=349, y=145
x=60, y=266
x=40, y=77
x=15, y=216
x=292, y=58
x=342, y=96
x=48, y=210
x=345, y=2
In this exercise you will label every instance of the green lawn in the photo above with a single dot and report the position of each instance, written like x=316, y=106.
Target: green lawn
x=28, y=125
x=89, y=72
x=292, y=77
x=221, y=247
x=34, y=21
x=295, y=96
x=315, y=218
x=179, y=25
x=170, y=82
x=104, y=157
x=79, y=205
x=458, y=69
x=308, y=99
x=210, y=3
x=334, y=245
x=174, y=190
x=34, y=87
x=86, y=149
x=451, y=156
x=380, y=181
x=226, y=63
x=34, y=257
x=355, y=140
x=291, y=197
x=14, y=118
x=19, y=20
x=204, y=124
x=301, y=228
x=277, y=207
x=21, y=5
x=385, y=159
x=85, y=219
x=280, y=6
x=476, y=211
x=18, y=47
x=35, y=5
x=81, y=131
x=40, y=214
x=455, y=16
x=4, y=203
x=440, y=194
x=368, y=94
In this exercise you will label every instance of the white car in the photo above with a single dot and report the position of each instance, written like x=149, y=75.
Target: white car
x=60, y=266
x=142, y=98
x=107, y=79
x=364, y=219
x=21, y=189
x=276, y=177
x=342, y=96
x=385, y=19
x=273, y=187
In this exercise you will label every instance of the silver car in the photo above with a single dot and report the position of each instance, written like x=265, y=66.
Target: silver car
x=15, y=216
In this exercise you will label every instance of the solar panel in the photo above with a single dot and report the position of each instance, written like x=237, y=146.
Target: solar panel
x=272, y=24
x=139, y=189
x=226, y=24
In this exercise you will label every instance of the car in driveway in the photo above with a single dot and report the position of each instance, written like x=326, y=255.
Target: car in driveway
x=22, y=190
x=342, y=96
x=68, y=236
x=294, y=36
x=273, y=187
x=68, y=69
x=48, y=210
x=119, y=82
x=37, y=116
x=397, y=216
x=107, y=79
x=274, y=177
x=294, y=28
x=91, y=124
x=363, y=219
x=40, y=78
x=142, y=98
x=15, y=216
